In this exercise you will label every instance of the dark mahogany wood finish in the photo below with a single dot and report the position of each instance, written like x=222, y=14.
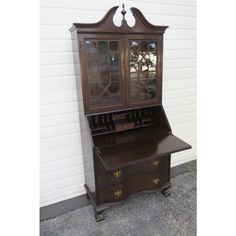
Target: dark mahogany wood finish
x=121, y=76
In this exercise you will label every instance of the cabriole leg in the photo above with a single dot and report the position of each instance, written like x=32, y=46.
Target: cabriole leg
x=165, y=189
x=99, y=216
x=165, y=192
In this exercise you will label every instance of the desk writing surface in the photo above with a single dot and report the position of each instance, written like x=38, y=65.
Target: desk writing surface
x=121, y=155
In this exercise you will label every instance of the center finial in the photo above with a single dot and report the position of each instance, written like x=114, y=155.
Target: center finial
x=123, y=12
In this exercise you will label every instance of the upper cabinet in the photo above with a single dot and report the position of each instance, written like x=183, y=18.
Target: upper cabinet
x=120, y=66
x=143, y=69
x=103, y=80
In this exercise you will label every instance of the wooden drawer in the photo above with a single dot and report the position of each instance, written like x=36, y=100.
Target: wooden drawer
x=124, y=125
x=107, y=178
x=134, y=184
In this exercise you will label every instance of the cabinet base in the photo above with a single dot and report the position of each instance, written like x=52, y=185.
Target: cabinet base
x=99, y=209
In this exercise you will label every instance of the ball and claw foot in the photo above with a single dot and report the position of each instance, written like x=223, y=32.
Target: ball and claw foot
x=99, y=216
x=165, y=192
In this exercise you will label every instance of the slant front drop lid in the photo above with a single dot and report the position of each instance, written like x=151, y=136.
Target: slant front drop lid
x=120, y=74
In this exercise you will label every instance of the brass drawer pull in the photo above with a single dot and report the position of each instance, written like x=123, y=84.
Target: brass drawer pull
x=117, y=173
x=118, y=193
x=156, y=162
x=156, y=181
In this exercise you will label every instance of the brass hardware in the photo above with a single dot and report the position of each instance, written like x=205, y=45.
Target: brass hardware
x=156, y=181
x=156, y=162
x=117, y=173
x=118, y=193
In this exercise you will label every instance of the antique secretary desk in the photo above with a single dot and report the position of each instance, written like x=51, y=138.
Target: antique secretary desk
x=121, y=75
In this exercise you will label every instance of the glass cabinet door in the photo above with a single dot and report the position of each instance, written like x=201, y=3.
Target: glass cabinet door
x=103, y=59
x=143, y=71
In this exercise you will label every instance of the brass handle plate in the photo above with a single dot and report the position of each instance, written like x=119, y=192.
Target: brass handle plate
x=117, y=173
x=156, y=181
x=156, y=162
x=118, y=193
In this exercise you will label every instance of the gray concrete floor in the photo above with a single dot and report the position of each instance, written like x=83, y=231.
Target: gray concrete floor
x=143, y=215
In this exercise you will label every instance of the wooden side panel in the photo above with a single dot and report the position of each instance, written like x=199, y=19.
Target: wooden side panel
x=162, y=119
x=86, y=137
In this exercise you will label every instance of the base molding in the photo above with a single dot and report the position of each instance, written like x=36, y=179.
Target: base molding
x=71, y=204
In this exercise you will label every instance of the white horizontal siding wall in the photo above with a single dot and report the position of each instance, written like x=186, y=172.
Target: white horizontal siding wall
x=62, y=122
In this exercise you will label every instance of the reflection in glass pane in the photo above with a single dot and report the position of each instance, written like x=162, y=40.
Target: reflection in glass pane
x=90, y=46
x=153, y=75
x=152, y=45
x=143, y=69
x=95, y=90
x=143, y=46
x=153, y=61
x=102, y=46
x=114, y=61
x=134, y=45
x=92, y=62
x=103, y=61
x=113, y=46
x=115, y=77
x=104, y=79
x=114, y=88
x=134, y=75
